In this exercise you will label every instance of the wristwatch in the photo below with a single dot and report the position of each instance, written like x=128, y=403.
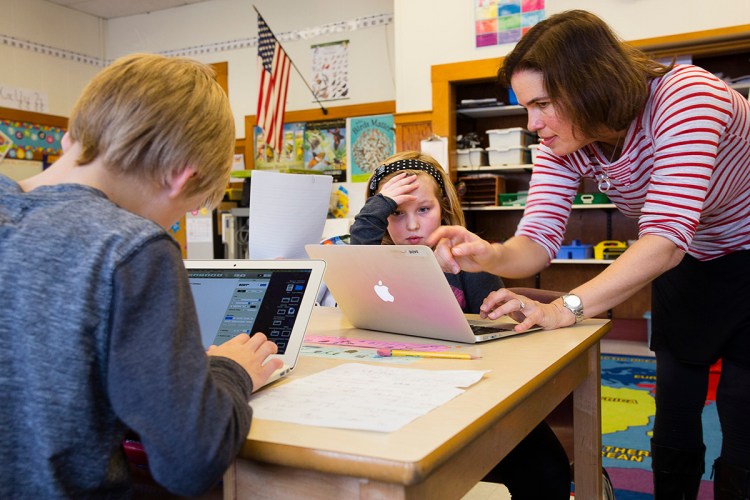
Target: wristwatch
x=573, y=303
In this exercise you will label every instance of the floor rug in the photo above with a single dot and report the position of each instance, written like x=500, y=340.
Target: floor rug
x=628, y=404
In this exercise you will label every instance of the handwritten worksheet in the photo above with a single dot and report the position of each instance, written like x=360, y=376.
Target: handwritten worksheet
x=350, y=396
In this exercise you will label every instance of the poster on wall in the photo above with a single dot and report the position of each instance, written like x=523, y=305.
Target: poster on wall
x=372, y=139
x=291, y=155
x=325, y=149
x=330, y=70
x=5, y=144
x=505, y=21
x=27, y=139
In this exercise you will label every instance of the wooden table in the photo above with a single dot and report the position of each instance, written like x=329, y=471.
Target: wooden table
x=447, y=451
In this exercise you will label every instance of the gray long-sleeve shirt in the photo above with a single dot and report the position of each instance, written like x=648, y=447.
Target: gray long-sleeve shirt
x=98, y=333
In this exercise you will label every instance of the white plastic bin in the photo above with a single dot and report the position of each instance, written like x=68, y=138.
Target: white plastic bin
x=507, y=137
x=468, y=158
x=514, y=155
x=534, y=148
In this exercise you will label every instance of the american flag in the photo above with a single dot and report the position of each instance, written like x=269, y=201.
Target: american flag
x=274, y=66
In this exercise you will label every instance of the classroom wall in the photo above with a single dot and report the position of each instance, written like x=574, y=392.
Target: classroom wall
x=429, y=32
x=42, y=28
x=199, y=27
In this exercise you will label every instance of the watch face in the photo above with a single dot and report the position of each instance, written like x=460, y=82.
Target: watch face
x=573, y=301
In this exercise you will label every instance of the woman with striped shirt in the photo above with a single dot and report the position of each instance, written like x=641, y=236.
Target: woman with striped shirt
x=670, y=146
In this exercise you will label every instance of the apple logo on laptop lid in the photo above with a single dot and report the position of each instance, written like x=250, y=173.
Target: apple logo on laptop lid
x=382, y=292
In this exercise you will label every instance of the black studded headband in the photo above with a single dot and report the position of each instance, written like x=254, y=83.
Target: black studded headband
x=384, y=170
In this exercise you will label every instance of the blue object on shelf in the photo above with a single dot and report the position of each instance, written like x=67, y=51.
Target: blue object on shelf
x=576, y=251
x=647, y=317
x=512, y=99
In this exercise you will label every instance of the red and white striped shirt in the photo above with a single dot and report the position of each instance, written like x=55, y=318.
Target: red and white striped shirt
x=684, y=171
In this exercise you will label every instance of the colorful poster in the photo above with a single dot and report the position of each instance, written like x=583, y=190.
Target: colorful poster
x=330, y=70
x=505, y=21
x=325, y=149
x=372, y=139
x=291, y=156
x=27, y=139
x=5, y=144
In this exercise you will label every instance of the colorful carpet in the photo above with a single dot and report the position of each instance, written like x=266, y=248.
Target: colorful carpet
x=628, y=404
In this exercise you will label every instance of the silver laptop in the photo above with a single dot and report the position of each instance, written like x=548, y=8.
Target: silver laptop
x=275, y=297
x=400, y=289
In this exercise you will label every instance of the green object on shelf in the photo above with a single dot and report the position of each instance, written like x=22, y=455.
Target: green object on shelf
x=241, y=173
x=512, y=199
x=591, y=199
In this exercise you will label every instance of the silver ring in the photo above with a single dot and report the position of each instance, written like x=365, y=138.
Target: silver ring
x=521, y=302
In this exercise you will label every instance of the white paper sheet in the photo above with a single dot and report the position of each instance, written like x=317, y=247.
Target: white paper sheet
x=287, y=212
x=352, y=396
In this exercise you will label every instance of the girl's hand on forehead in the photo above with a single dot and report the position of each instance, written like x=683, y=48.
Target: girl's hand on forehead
x=399, y=186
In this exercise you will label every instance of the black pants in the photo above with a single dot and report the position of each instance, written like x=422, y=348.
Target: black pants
x=536, y=468
x=701, y=312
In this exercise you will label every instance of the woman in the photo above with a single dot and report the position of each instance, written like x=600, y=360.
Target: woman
x=669, y=145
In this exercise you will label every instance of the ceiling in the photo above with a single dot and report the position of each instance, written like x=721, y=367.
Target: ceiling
x=108, y=9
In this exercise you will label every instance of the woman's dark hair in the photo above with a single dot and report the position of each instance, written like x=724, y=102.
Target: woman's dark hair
x=596, y=80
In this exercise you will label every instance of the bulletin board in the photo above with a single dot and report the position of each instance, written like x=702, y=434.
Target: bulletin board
x=32, y=136
x=333, y=121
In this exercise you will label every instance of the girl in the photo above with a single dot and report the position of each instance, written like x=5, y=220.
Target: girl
x=408, y=197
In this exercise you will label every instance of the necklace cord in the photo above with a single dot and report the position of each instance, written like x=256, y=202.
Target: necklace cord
x=603, y=182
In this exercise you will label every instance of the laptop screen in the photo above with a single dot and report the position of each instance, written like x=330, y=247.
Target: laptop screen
x=234, y=301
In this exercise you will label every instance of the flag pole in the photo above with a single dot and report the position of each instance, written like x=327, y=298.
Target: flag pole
x=325, y=111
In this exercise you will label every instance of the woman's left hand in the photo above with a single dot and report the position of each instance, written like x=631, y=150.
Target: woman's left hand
x=526, y=311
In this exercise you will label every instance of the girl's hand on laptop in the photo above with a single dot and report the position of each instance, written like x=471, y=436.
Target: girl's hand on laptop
x=398, y=188
x=250, y=353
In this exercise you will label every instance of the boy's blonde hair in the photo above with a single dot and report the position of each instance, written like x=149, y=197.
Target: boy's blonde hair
x=150, y=116
x=451, y=213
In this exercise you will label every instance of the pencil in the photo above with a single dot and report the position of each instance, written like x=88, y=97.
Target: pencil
x=426, y=354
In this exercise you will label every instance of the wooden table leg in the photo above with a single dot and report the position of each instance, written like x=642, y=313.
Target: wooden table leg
x=587, y=430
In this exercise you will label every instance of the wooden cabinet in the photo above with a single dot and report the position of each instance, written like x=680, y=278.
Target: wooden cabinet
x=724, y=50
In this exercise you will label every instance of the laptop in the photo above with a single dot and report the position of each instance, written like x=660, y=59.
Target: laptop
x=400, y=289
x=275, y=297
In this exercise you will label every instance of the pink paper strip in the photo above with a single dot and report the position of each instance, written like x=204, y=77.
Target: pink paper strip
x=373, y=344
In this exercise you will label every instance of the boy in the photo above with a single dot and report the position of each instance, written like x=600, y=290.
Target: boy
x=98, y=330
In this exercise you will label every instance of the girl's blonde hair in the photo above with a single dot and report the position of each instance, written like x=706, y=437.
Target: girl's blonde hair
x=451, y=213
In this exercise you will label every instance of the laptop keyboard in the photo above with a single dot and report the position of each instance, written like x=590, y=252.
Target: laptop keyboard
x=480, y=329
